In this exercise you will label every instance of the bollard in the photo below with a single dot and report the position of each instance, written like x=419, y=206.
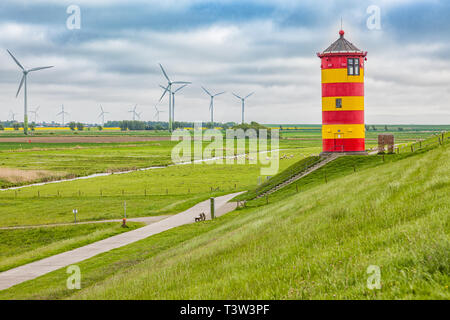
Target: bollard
x=75, y=211
x=212, y=208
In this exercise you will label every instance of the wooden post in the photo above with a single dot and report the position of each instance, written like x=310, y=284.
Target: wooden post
x=212, y=208
x=383, y=157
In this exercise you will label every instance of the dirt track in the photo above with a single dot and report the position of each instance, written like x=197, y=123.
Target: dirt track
x=82, y=139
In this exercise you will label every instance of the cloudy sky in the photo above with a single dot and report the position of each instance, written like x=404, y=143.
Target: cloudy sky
x=227, y=45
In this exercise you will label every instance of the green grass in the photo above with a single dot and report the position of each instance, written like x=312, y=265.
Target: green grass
x=69, y=160
x=282, y=176
x=313, y=245
x=21, y=246
x=169, y=190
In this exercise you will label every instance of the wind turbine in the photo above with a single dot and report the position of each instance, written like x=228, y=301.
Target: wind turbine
x=62, y=113
x=169, y=89
x=35, y=112
x=157, y=113
x=211, y=104
x=102, y=115
x=173, y=98
x=13, y=115
x=134, y=113
x=23, y=82
x=243, y=103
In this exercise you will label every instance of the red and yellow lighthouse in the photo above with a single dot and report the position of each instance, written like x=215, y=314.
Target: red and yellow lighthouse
x=342, y=67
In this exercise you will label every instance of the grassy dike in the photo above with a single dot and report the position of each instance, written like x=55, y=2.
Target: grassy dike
x=22, y=246
x=316, y=244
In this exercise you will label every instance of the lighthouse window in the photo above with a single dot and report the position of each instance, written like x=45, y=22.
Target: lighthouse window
x=353, y=66
x=338, y=103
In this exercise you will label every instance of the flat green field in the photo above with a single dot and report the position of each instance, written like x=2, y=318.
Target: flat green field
x=153, y=192
x=315, y=244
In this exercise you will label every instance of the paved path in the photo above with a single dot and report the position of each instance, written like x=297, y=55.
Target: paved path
x=146, y=220
x=36, y=269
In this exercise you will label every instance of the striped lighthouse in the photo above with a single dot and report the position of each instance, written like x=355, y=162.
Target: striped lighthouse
x=342, y=67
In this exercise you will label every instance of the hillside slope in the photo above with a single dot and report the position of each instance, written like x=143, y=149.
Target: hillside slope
x=316, y=244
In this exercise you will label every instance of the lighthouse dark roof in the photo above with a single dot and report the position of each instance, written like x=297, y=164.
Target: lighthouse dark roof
x=341, y=45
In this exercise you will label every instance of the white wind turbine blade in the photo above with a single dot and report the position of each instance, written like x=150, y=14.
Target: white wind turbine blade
x=207, y=92
x=164, y=93
x=20, y=86
x=237, y=96
x=218, y=94
x=39, y=68
x=249, y=95
x=17, y=61
x=184, y=85
x=181, y=82
x=164, y=72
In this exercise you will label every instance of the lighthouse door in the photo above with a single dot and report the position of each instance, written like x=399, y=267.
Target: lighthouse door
x=339, y=142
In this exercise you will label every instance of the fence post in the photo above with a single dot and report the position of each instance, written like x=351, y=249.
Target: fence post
x=212, y=203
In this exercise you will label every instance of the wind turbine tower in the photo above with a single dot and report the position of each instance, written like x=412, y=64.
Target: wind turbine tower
x=23, y=82
x=157, y=113
x=135, y=114
x=102, y=115
x=211, y=103
x=243, y=103
x=62, y=113
x=35, y=112
x=169, y=89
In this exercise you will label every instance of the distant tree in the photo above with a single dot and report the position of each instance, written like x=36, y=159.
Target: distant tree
x=16, y=126
x=72, y=126
x=32, y=126
x=386, y=128
x=400, y=129
x=100, y=128
x=2, y=128
x=80, y=126
x=374, y=128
